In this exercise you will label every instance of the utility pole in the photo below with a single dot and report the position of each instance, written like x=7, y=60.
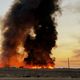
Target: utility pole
x=68, y=63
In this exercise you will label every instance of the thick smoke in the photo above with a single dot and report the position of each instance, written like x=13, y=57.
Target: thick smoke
x=24, y=16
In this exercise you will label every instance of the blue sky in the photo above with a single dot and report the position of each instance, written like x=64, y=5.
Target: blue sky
x=68, y=30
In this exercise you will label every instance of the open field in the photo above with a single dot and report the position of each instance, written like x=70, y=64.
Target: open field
x=39, y=78
x=39, y=74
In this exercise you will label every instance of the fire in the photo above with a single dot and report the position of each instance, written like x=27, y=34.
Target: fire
x=49, y=66
x=17, y=61
x=1, y=65
x=29, y=34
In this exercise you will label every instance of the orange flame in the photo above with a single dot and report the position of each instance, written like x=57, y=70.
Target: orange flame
x=17, y=61
x=49, y=66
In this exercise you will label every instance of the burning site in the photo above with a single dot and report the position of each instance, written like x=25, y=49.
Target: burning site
x=29, y=34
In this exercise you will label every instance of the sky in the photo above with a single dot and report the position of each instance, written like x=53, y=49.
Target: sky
x=68, y=43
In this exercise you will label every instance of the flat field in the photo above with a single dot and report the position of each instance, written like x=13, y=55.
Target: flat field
x=39, y=78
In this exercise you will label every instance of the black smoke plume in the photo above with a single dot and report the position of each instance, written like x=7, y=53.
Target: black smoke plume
x=24, y=16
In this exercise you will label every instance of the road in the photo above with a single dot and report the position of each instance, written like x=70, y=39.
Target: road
x=39, y=79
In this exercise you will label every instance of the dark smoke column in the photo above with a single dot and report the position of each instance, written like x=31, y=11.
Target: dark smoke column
x=23, y=16
x=46, y=35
